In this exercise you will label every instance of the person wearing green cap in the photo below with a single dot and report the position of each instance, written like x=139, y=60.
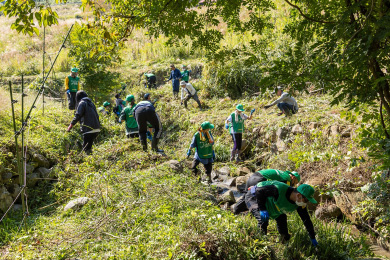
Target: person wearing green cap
x=128, y=116
x=185, y=74
x=236, y=124
x=72, y=85
x=203, y=142
x=105, y=109
x=274, y=199
x=150, y=80
x=290, y=178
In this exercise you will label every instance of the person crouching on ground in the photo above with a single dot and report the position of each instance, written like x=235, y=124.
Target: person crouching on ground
x=203, y=142
x=128, y=117
x=188, y=92
x=89, y=119
x=145, y=112
x=236, y=124
x=274, y=199
x=290, y=178
x=286, y=103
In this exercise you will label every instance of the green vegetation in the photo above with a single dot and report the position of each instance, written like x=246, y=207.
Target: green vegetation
x=140, y=208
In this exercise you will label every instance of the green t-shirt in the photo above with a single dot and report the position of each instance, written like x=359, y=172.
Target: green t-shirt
x=276, y=175
x=280, y=206
x=203, y=148
x=185, y=75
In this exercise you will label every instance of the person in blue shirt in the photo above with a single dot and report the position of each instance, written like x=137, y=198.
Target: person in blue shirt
x=203, y=142
x=175, y=77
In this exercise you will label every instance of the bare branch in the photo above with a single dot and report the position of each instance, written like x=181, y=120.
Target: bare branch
x=304, y=15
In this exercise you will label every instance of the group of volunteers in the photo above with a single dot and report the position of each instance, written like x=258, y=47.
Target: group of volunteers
x=270, y=193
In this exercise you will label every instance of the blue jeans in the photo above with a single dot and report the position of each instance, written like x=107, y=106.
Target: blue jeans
x=285, y=106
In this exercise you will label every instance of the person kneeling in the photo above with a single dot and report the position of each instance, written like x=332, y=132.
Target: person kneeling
x=203, y=143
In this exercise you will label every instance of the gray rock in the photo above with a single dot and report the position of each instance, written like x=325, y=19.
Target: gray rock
x=271, y=136
x=313, y=125
x=6, y=176
x=14, y=190
x=44, y=172
x=230, y=182
x=17, y=207
x=347, y=201
x=224, y=170
x=242, y=171
x=261, y=144
x=175, y=165
x=30, y=167
x=282, y=133
x=214, y=175
x=241, y=183
x=5, y=199
x=281, y=146
x=297, y=129
x=32, y=179
x=228, y=196
x=328, y=212
x=334, y=130
x=210, y=197
x=77, y=203
x=41, y=160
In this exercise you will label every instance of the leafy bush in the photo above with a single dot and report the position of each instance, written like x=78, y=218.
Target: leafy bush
x=232, y=78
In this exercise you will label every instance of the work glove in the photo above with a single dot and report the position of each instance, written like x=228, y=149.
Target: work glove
x=68, y=91
x=69, y=127
x=314, y=242
x=188, y=152
x=264, y=215
x=227, y=126
x=213, y=155
x=252, y=111
x=267, y=106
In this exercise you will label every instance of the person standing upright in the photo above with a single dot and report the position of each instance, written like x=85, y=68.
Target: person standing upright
x=175, y=77
x=72, y=85
x=128, y=116
x=236, y=124
x=185, y=74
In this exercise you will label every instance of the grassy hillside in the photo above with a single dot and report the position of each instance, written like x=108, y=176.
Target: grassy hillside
x=140, y=206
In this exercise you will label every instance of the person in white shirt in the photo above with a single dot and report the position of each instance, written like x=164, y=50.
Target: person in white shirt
x=285, y=103
x=187, y=92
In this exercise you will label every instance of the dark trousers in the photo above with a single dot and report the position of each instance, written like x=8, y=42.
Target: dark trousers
x=237, y=139
x=132, y=135
x=189, y=96
x=194, y=167
x=281, y=221
x=88, y=141
x=72, y=100
x=253, y=180
x=286, y=107
x=143, y=115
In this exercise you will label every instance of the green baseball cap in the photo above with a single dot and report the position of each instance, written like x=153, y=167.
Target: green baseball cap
x=129, y=98
x=74, y=69
x=240, y=107
x=296, y=176
x=206, y=125
x=106, y=103
x=307, y=191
